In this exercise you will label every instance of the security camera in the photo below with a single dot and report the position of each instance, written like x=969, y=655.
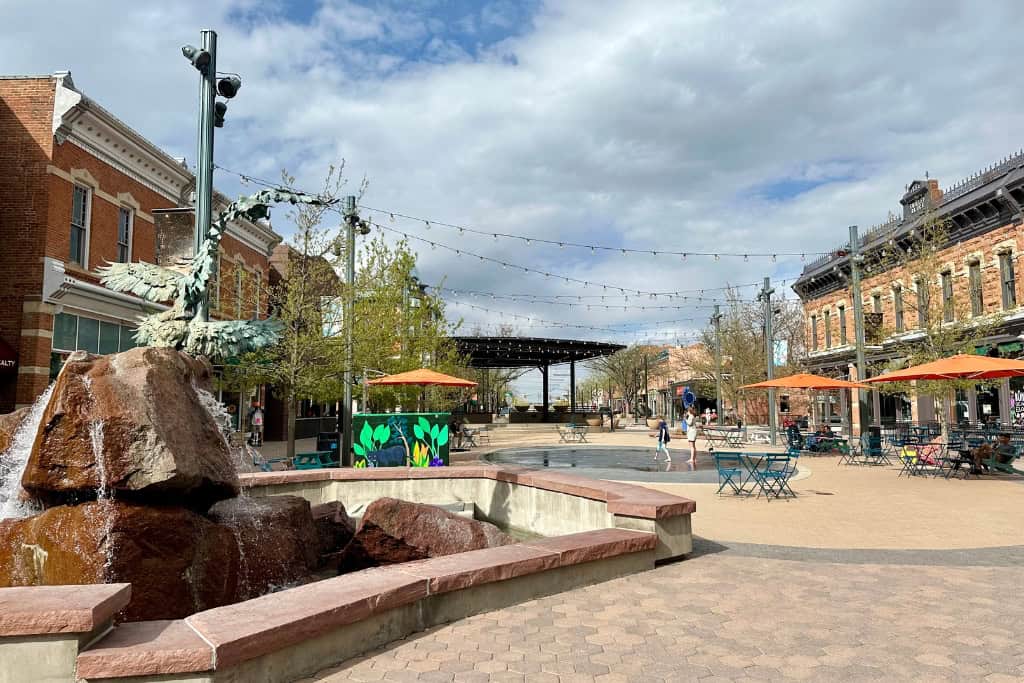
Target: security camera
x=200, y=58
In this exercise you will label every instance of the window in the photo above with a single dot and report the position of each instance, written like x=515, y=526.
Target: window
x=876, y=303
x=897, y=303
x=239, y=276
x=947, y=296
x=842, y=324
x=923, y=302
x=974, y=278
x=125, y=218
x=79, y=252
x=828, y=330
x=1007, y=280
x=76, y=333
x=814, y=332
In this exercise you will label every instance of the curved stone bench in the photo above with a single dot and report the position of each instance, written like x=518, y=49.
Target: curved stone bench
x=602, y=530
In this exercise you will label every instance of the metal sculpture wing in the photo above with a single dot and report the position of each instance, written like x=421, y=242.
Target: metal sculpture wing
x=230, y=338
x=151, y=282
x=177, y=326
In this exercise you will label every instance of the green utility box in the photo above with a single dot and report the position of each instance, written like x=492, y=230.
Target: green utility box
x=400, y=439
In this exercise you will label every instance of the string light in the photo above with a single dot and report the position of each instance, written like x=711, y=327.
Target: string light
x=593, y=247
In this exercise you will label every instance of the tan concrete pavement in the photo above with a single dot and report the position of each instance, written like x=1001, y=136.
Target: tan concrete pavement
x=727, y=618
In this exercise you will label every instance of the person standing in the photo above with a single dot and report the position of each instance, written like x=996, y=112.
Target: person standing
x=691, y=435
x=663, y=439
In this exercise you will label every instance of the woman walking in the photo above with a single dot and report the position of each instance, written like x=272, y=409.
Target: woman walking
x=663, y=439
x=691, y=435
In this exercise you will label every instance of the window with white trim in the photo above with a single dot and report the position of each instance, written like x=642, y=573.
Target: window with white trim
x=125, y=221
x=79, y=251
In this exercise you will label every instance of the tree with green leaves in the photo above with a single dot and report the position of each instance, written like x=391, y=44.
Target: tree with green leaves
x=399, y=325
x=624, y=370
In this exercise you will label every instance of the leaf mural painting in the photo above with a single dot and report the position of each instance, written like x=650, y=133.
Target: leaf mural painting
x=384, y=440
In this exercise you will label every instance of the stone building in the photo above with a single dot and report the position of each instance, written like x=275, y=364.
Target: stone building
x=80, y=187
x=984, y=240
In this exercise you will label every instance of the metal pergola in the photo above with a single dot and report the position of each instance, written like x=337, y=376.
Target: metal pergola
x=533, y=352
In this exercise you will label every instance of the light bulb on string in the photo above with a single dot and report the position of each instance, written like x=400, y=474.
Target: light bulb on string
x=773, y=258
x=746, y=258
x=392, y=218
x=716, y=257
x=684, y=257
x=427, y=223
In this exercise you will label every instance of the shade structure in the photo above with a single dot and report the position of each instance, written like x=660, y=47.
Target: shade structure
x=961, y=366
x=806, y=380
x=422, y=377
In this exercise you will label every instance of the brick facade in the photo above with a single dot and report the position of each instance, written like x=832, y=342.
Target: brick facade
x=53, y=138
x=986, y=249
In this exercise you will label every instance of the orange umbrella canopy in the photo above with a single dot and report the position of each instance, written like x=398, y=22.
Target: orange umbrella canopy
x=961, y=366
x=422, y=377
x=806, y=380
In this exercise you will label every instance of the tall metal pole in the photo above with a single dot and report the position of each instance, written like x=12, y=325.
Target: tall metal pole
x=204, y=155
x=349, y=313
x=717, y=320
x=769, y=350
x=858, y=324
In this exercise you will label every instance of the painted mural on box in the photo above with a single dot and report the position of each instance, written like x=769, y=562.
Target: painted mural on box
x=400, y=439
x=1017, y=407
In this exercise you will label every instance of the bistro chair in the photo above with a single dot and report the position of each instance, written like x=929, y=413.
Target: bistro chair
x=730, y=471
x=773, y=479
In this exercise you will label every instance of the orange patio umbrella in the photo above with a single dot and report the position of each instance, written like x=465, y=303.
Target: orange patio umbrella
x=961, y=366
x=422, y=377
x=806, y=380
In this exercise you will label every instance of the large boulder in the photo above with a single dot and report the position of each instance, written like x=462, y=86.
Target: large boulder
x=276, y=539
x=9, y=423
x=131, y=423
x=334, y=528
x=393, y=531
x=177, y=562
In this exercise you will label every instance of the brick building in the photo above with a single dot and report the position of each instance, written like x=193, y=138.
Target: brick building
x=976, y=272
x=80, y=187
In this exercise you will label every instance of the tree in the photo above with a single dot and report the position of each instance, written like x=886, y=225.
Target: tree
x=624, y=370
x=946, y=325
x=304, y=363
x=399, y=326
x=744, y=360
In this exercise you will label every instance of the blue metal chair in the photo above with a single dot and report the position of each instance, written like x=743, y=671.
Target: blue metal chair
x=730, y=471
x=773, y=480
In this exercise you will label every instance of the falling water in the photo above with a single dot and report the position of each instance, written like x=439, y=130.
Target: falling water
x=15, y=459
x=103, y=490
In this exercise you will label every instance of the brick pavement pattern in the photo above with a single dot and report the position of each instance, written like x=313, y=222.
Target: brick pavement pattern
x=727, y=617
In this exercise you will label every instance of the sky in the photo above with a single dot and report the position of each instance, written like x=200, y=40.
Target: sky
x=745, y=127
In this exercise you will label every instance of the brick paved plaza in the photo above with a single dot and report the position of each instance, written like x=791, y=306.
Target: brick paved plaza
x=865, y=576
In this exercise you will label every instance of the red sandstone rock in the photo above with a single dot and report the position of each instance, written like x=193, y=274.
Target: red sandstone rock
x=9, y=423
x=394, y=531
x=131, y=422
x=276, y=538
x=176, y=561
x=334, y=529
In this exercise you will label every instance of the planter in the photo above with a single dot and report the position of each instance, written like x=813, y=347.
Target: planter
x=652, y=423
x=560, y=409
x=595, y=421
x=521, y=409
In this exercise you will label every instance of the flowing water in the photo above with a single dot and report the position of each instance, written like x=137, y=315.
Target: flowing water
x=103, y=490
x=14, y=460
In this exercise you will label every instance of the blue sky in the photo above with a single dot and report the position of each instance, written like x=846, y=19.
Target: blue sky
x=734, y=125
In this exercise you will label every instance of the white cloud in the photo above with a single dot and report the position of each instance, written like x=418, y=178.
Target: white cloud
x=650, y=124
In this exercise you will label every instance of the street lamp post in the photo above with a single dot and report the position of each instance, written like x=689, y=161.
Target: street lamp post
x=858, y=324
x=211, y=115
x=769, y=349
x=352, y=223
x=717, y=320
